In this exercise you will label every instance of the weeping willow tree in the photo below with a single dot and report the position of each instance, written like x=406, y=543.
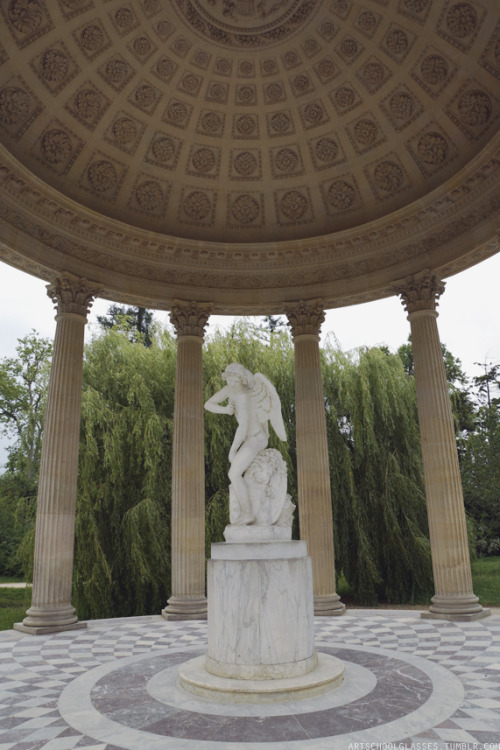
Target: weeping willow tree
x=380, y=521
x=122, y=547
x=122, y=556
x=122, y=550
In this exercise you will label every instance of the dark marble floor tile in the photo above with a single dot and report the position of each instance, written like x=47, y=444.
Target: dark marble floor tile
x=261, y=729
x=186, y=724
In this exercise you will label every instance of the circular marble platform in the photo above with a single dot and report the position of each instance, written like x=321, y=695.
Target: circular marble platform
x=115, y=685
x=327, y=676
x=115, y=700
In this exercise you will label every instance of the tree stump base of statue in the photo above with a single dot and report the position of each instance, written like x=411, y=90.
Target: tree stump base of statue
x=260, y=627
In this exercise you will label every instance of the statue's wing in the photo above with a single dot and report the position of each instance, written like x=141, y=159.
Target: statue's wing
x=268, y=404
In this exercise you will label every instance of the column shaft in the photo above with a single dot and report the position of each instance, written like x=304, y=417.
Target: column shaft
x=188, y=600
x=314, y=502
x=454, y=597
x=51, y=608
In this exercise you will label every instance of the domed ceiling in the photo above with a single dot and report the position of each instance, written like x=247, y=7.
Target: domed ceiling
x=309, y=141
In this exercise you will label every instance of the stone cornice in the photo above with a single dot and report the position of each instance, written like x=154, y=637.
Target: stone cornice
x=478, y=180
x=457, y=225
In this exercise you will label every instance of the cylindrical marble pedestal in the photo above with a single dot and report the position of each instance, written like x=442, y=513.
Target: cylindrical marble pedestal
x=260, y=611
x=260, y=627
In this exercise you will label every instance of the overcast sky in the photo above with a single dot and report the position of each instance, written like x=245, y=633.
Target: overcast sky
x=469, y=320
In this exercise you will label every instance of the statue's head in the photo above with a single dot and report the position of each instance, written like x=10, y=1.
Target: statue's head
x=238, y=371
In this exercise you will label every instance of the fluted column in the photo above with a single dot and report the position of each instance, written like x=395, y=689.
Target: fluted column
x=51, y=608
x=314, y=501
x=188, y=600
x=454, y=598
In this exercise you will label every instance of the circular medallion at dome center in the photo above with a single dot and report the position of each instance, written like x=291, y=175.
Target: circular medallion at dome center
x=246, y=23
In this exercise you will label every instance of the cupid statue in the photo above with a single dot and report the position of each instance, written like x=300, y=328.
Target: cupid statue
x=258, y=476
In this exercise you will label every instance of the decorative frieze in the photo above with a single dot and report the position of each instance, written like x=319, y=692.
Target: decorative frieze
x=318, y=261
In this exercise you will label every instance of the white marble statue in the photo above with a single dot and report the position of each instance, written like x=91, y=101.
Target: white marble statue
x=257, y=492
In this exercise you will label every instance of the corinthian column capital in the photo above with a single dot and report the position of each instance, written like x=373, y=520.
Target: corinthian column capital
x=305, y=318
x=421, y=292
x=189, y=318
x=71, y=294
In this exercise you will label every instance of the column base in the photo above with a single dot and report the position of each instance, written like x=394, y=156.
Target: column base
x=328, y=605
x=459, y=608
x=185, y=608
x=46, y=629
x=42, y=620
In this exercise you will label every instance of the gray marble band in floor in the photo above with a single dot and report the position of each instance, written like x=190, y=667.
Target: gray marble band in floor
x=408, y=694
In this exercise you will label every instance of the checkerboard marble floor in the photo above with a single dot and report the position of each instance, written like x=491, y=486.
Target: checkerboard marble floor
x=409, y=683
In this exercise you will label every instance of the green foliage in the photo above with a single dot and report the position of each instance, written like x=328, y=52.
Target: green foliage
x=480, y=467
x=17, y=513
x=272, y=324
x=123, y=522
x=488, y=385
x=122, y=549
x=122, y=553
x=381, y=536
x=23, y=390
x=375, y=465
x=462, y=404
x=476, y=412
x=135, y=322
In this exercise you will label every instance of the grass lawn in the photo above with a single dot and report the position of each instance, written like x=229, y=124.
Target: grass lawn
x=485, y=577
x=13, y=605
x=486, y=580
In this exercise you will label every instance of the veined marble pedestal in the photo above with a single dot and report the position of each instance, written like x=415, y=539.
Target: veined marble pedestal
x=260, y=627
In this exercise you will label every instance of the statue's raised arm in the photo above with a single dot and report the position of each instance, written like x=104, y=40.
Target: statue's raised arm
x=258, y=476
